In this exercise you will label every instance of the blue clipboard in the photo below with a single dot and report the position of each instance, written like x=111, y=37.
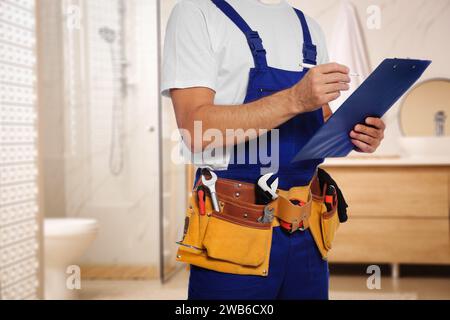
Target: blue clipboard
x=375, y=96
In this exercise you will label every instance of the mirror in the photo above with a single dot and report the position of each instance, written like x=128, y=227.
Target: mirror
x=425, y=111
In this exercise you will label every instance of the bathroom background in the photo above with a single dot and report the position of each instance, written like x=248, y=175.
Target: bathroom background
x=100, y=144
x=85, y=135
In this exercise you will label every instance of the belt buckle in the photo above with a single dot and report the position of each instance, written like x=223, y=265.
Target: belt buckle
x=303, y=227
x=295, y=225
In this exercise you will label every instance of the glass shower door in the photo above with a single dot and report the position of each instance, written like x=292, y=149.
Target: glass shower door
x=174, y=181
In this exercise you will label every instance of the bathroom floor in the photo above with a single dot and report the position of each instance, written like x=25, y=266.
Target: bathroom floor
x=341, y=287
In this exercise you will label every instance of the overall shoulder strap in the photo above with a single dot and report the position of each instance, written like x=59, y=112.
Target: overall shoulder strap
x=309, y=49
x=253, y=38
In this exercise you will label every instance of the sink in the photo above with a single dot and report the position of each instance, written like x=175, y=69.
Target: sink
x=426, y=146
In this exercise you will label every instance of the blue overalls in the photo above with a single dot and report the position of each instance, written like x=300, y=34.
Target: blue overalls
x=297, y=270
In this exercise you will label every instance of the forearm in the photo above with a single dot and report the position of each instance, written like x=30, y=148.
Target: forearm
x=194, y=106
x=253, y=118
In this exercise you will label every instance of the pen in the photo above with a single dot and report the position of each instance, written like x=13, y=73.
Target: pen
x=309, y=66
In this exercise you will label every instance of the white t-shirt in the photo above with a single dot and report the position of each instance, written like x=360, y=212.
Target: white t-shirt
x=204, y=48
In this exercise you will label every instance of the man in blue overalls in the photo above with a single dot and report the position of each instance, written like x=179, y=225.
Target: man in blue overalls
x=254, y=64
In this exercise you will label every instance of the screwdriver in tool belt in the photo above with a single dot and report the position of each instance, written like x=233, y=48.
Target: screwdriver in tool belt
x=201, y=195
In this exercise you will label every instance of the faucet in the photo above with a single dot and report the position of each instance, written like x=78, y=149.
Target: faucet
x=439, y=121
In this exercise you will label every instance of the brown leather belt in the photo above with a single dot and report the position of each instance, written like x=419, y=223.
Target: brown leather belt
x=237, y=199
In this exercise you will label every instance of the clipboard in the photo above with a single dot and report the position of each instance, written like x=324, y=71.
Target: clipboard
x=381, y=90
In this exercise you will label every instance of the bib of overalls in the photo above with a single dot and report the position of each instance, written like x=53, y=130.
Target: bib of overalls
x=293, y=134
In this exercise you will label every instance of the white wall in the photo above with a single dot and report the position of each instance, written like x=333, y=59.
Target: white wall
x=409, y=29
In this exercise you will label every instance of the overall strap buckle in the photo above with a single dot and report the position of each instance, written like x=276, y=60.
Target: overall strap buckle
x=309, y=49
x=255, y=43
x=309, y=53
x=253, y=39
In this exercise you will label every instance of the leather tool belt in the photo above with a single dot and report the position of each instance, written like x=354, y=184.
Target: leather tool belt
x=237, y=239
x=291, y=215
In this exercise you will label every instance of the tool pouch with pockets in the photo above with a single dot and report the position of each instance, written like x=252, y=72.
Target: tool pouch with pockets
x=236, y=236
x=194, y=226
x=235, y=241
x=230, y=241
x=323, y=223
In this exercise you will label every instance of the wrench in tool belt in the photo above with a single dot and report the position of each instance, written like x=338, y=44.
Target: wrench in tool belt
x=211, y=185
x=265, y=192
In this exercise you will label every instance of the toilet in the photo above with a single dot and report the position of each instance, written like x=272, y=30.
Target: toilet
x=65, y=241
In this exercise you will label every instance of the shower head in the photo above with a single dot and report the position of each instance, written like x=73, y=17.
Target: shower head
x=107, y=34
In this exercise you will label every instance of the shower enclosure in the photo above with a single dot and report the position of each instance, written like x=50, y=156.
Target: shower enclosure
x=108, y=142
x=115, y=39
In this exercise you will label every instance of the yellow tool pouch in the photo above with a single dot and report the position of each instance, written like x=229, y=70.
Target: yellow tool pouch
x=195, y=226
x=323, y=225
x=232, y=241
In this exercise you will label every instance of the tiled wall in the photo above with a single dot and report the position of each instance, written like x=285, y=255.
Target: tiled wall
x=19, y=222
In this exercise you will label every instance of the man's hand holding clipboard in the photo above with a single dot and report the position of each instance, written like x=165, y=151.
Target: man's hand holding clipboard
x=381, y=90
